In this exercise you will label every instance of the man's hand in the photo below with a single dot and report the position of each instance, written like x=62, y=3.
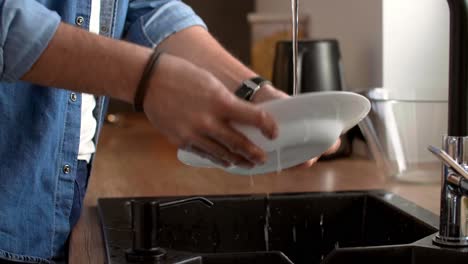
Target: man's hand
x=193, y=109
x=189, y=100
x=197, y=46
x=267, y=93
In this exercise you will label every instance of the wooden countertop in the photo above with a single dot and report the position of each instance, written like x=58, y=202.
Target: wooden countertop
x=134, y=160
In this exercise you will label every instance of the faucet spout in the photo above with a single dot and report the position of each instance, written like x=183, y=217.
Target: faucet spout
x=458, y=73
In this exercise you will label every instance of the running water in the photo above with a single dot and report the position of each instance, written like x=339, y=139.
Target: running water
x=266, y=228
x=252, y=183
x=294, y=234
x=279, y=168
x=322, y=229
x=295, y=46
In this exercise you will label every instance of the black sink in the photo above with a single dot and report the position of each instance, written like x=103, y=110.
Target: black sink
x=306, y=227
x=271, y=257
x=421, y=252
x=243, y=258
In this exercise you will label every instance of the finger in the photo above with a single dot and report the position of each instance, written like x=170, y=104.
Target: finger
x=206, y=155
x=249, y=114
x=306, y=164
x=310, y=163
x=218, y=151
x=333, y=148
x=237, y=143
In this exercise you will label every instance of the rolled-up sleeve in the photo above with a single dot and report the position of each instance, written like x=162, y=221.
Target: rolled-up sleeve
x=150, y=22
x=26, y=28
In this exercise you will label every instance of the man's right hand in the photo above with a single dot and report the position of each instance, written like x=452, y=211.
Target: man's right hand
x=189, y=105
x=194, y=110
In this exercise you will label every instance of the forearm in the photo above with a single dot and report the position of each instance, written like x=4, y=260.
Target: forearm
x=81, y=61
x=196, y=45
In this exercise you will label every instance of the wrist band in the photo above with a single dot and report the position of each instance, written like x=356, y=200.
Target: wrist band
x=251, y=86
x=143, y=84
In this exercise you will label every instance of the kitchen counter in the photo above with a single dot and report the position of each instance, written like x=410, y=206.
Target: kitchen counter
x=134, y=160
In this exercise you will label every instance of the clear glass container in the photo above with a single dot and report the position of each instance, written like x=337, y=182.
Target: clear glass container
x=398, y=133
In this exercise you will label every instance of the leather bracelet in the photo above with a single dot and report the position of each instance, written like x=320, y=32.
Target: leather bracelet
x=143, y=84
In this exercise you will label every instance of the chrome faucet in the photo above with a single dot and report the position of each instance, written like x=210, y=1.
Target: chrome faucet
x=453, y=229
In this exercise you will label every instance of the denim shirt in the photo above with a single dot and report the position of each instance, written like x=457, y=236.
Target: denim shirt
x=40, y=126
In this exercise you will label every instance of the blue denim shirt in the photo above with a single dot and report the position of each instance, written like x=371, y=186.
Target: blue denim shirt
x=40, y=126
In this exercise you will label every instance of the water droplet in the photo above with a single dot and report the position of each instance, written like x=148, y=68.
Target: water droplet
x=252, y=183
x=294, y=233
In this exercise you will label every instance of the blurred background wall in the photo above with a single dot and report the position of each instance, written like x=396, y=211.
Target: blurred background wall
x=356, y=24
x=391, y=43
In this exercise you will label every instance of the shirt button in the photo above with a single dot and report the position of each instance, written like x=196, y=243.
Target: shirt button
x=66, y=169
x=73, y=97
x=79, y=20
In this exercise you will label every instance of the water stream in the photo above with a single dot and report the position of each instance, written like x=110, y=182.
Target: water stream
x=295, y=46
x=279, y=168
x=266, y=228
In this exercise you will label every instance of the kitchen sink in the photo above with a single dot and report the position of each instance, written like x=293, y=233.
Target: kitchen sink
x=421, y=252
x=280, y=228
x=241, y=258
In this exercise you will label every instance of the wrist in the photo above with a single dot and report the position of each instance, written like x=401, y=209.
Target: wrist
x=268, y=92
x=144, y=83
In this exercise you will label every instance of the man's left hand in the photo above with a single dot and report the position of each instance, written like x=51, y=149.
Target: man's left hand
x=268, y=93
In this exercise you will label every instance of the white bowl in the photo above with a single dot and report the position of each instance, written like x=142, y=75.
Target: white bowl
x=308, y=125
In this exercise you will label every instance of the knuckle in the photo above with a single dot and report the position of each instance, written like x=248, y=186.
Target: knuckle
x=186, y=138
x=205, y=123
x=251, y=150
x=238, y=146
x=224, y=102
x=209, y=80
x=261, y=117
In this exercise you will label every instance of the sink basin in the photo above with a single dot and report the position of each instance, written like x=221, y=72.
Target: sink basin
x=245, y=258
x=271, y=257
x=421, y=252
x=306, y=227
